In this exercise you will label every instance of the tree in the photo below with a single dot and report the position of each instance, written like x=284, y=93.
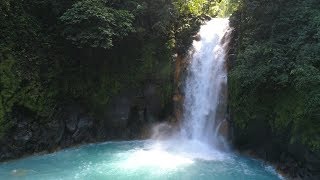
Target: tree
x=90, y=23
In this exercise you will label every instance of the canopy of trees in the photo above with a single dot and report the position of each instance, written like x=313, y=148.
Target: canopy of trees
x=92, y=23
x=275, y=80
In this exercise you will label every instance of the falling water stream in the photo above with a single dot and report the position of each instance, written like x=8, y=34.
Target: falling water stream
x=195, y=151
x=206, y=75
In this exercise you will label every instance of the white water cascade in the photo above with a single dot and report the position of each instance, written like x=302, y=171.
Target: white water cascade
x=204, y=103
x=205, y=79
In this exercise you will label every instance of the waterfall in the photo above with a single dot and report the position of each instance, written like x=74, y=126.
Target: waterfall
x=204, y=108
x=206, y=75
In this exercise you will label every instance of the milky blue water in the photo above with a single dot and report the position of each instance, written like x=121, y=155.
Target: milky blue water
x=133, y=160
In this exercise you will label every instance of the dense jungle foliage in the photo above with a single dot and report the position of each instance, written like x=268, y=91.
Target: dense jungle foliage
x=86, y=51
x=275, y=80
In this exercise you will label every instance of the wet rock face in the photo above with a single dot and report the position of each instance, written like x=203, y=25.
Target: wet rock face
x=197, y=37
x=224, y=129
x=28, y=136
x=24, y=133
x=152, y=99
x=119, y=110
x=72, y=121
x=128, y=116
x=304, y=163
x=130, y=113
x=179, y=78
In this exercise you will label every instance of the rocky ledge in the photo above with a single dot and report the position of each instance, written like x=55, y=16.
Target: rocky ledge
x=127, y=116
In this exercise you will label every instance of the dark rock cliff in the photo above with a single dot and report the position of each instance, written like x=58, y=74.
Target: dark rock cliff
x=128, y=116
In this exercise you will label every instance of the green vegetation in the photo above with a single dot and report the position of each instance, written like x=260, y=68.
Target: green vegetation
x=275, y=80
x=220, y=8
x=91, y=23
x=55, y=52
